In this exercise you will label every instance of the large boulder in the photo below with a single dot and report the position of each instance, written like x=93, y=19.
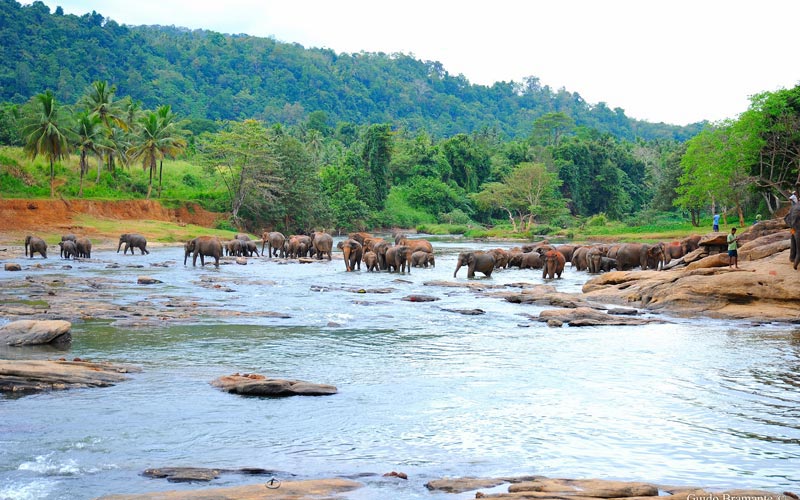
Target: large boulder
x=585, y=316
x=35, y=332
x=21, y=376
x=767, y=289
x=259, y=385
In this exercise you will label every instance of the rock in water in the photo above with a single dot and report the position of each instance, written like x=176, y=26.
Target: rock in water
x=33, y=332
x=259, y=385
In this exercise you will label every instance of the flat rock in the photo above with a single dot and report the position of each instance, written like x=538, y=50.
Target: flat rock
x=200, y=474
x=287, y=490
x=147, y=280
x=35, y=332
x=44, y=375
x=259, y=385
x=460, y=485
x=585, y=316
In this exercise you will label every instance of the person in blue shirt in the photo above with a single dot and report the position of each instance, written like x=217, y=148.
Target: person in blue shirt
x=716, y=222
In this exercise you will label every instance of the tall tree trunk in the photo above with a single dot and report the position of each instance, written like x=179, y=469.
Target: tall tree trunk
x=52, y=179
x=150, y=184
x=160, y=171
x=83, y=169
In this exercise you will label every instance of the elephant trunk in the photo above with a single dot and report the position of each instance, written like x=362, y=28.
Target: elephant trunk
x=458, y=266
x=119, y=246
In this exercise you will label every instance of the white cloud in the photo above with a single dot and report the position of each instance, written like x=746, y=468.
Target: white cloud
x=677, y=61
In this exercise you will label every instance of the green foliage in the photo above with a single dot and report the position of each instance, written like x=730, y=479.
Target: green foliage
x=210, y=76
x=442, y=229
x=399, y=213
x=456, y=216
x=598, y=220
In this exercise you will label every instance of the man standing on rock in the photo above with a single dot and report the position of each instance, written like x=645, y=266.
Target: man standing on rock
x=733, y=253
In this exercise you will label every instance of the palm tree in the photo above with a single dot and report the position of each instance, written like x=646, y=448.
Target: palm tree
x=46, y=133
x=89, y=138
x=158, y=135
x=99, y=100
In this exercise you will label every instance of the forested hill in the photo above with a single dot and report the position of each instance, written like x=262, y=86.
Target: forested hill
x=204, y=74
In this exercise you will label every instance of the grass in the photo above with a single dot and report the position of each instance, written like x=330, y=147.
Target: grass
x=161, y=231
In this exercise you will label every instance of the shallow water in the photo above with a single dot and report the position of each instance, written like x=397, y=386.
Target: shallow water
x=422, y=390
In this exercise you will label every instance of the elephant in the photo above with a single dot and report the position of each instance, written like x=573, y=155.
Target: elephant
x=398, y=259
x=792, y=220
x=422, y=259
x=544, y=248
x=500, y=258
x=629, y=255
x=380, y=248
x=68, y=249
x=371, y=261
x=415, y=245
x=234, y=248
x=673, y=250
x=553, y=265
x=653, y=257
x=84, y=246
x=515, y=258
x=299, y=244
x=353, y=253
x=567, y=251
x=475, y=261
x=530, y=260
x=36, y=245
x=531, y=247
x=242, y=237
x=690, y=243
x=323, y=244
x=67, y=237
x=249, y=247
x=607, y=264
x=276, y=242
x=204, y=246
x=133, y=241
x=398, y=237
x=579, y=258
x=360, y=237
x=594, y=259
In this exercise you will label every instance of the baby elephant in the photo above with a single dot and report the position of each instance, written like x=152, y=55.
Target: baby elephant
x=420, y=258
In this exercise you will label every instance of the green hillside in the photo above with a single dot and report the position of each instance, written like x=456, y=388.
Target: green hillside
x=209, y=75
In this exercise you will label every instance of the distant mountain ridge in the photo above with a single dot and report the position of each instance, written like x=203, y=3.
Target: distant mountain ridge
x=209, y=75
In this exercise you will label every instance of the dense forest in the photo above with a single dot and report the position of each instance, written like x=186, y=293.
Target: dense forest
x=208, y=75
x=283, y=137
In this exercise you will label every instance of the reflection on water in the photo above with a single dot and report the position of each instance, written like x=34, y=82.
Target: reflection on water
x=422, y=390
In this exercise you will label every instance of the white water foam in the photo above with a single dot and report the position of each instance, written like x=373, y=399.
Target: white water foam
x=26, y=491
x=45, y=465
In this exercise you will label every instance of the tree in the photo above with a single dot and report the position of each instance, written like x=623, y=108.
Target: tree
x=530, y=192
x=243, y=155
x=157, y=136
x=99, y=100
x=88, y=136
x=550, y=127
x=772, y=125
x=46, y=132
x=376, y=156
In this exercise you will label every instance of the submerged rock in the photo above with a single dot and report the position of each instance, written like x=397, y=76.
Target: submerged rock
x=259, y=385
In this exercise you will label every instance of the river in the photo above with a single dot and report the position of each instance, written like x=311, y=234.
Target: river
x=422, y=390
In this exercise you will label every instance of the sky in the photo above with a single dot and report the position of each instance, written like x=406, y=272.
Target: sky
x=674, y=61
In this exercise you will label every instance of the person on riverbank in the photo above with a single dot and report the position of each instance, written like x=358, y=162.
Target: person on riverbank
x=733, y=252
x=715, y=227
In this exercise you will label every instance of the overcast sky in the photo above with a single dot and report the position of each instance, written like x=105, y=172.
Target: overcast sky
x=676, y=61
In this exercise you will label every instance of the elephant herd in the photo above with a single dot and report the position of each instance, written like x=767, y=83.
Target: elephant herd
x=72, y=247
x=380, y=255
x=551, y=259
